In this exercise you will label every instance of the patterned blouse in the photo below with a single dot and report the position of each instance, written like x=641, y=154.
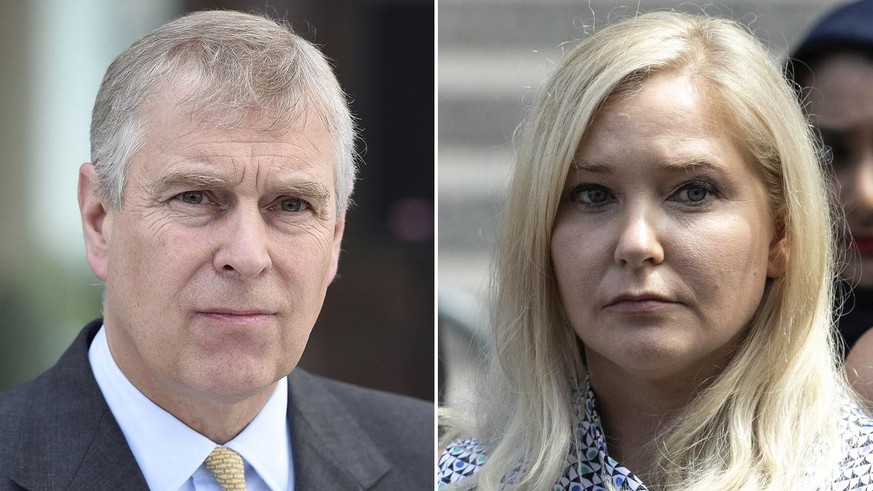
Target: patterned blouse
x=588, y=465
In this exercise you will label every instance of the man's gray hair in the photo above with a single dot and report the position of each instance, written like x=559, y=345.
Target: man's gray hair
x=235, y=65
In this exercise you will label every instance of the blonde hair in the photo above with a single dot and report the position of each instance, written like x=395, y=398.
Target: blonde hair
x=771, y=412
x=233, y=65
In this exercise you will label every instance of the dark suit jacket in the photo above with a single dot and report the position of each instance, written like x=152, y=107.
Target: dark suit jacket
x=56, y=432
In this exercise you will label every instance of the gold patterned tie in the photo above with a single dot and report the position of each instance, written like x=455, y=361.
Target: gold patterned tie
x=228, y=469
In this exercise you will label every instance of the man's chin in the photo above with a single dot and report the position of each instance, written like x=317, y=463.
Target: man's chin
x=235, y=383
x=234, y=392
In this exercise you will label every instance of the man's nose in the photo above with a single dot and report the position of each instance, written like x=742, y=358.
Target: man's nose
x=639, y=241
x=243, y=249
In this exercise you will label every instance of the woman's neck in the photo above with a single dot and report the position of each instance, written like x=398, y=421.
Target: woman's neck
x=635, y=410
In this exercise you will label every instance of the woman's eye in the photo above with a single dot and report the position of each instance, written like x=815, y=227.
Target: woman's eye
x=591, y=195
x=293, y=204
x=694, y=192
x=192, y=197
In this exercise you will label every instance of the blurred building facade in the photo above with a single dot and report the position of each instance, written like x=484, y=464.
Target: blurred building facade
x=376, y=328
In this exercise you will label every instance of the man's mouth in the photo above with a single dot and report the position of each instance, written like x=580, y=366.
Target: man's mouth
x=240, y=312
x=237, y=317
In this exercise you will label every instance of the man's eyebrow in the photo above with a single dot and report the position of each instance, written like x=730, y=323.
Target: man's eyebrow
x=188, y=180
x=312, y=191
x=304, y=189
x=315, y=193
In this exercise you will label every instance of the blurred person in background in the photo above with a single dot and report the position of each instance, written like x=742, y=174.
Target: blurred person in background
x=213, y=210
x=833, y=68
x=663, y=287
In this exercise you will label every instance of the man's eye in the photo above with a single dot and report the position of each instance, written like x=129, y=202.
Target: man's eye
x=192, y=197
x=293, y=204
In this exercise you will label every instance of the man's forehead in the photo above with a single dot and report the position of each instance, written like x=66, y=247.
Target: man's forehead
x=199, y=107
x=180, y=132
x=231, y=148
x=175, y=135
x=227, y=171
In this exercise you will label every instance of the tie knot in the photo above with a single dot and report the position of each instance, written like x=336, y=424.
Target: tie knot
x=228, y=469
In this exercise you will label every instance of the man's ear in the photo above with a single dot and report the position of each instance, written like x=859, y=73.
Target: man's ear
x=95, y=220
x=338, y=229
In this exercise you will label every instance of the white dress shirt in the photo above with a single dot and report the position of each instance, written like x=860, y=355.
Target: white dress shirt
x=171, y=455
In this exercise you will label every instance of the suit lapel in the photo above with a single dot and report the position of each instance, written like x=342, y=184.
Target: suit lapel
x=330, y=449
x=108, y=461
x=69, y=439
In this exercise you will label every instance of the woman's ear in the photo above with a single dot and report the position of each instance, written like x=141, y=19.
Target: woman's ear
x=95, y=223
x=777, y=259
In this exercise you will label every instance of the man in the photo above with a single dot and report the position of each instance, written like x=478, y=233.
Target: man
x=213, y=209
x=834, y=66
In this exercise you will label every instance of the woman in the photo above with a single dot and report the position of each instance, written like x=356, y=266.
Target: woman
x=668, y=251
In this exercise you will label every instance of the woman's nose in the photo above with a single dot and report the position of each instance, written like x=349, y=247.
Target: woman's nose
x=639, y=241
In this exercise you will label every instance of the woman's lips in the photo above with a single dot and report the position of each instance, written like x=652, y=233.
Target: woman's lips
x=639, y=304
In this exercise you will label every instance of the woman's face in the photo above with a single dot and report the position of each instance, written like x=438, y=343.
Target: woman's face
x=841, y=107
x=663, y=240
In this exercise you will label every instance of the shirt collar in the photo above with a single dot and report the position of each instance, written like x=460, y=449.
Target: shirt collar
x=264, y=443
x=588, y=461
x=168, y=451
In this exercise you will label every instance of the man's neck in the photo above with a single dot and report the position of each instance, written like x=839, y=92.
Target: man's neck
x=220, y=421
x=219, y=417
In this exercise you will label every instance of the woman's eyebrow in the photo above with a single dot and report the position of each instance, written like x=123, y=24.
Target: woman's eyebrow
x=590, y=166
x=693, y=164
x=680, y=164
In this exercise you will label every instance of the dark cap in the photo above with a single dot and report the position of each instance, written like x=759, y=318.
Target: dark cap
x=847, y=27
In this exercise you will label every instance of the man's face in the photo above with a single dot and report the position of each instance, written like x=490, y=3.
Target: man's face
x=217, y=263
